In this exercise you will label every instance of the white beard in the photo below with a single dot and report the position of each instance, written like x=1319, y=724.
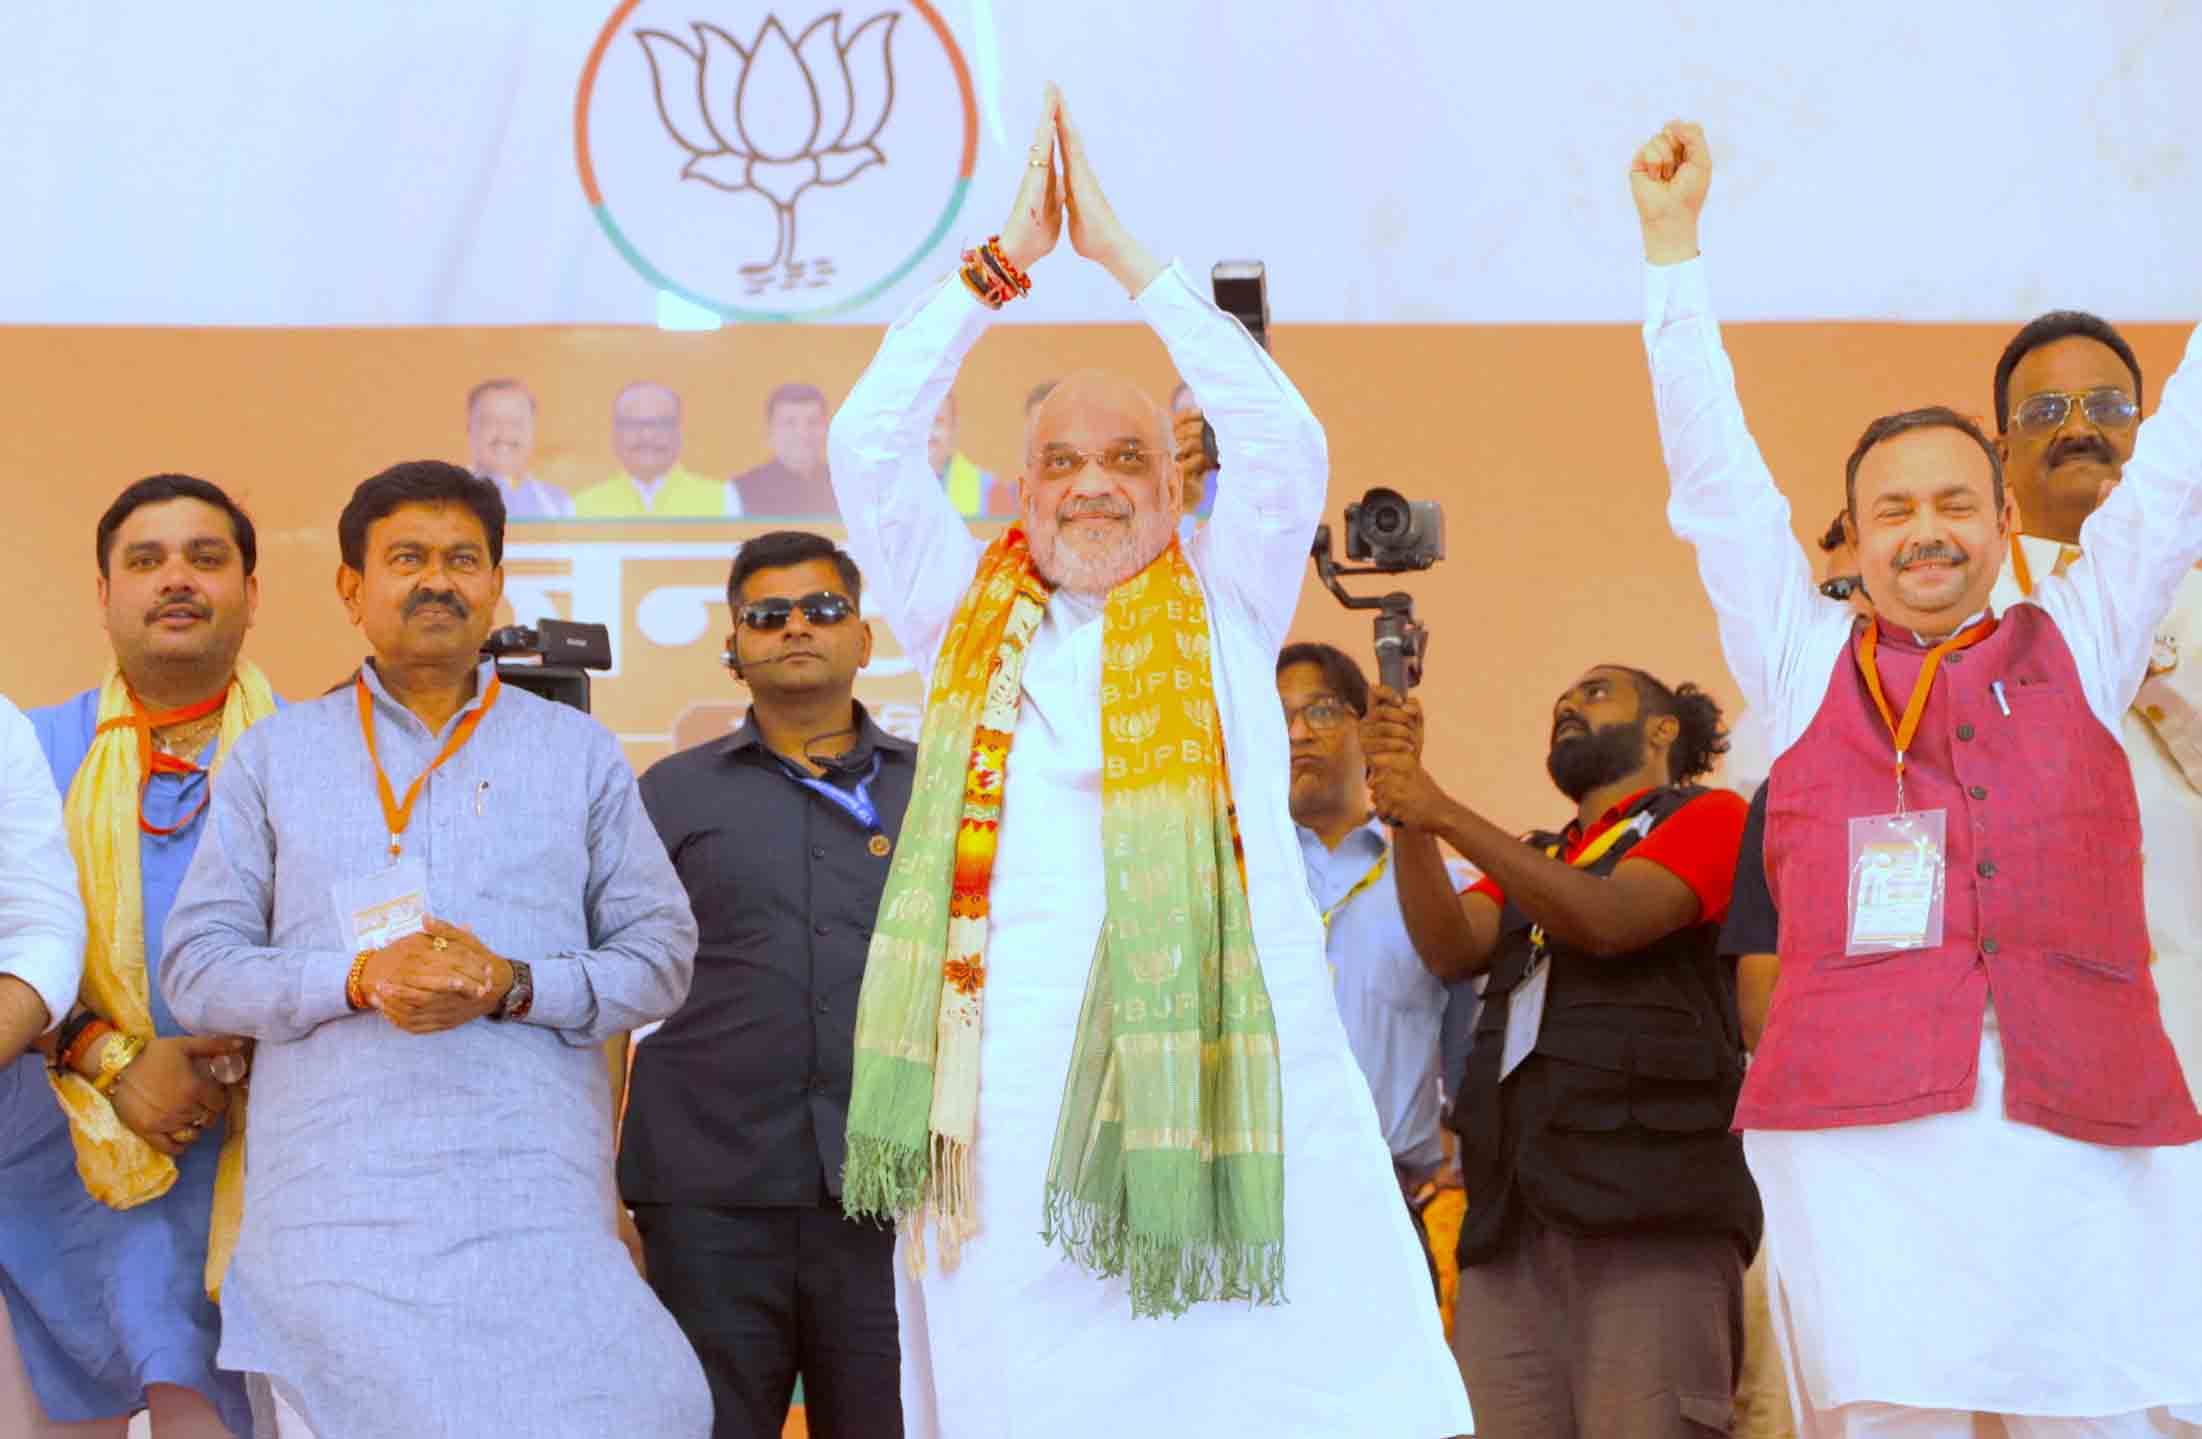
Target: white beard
x=1102, y=559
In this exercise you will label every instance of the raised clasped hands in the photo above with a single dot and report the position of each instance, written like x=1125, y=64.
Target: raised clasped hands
x=438, y=979
x=169, y=1096
x=1668, y=176
x=1059, y=182
x=1401, y=791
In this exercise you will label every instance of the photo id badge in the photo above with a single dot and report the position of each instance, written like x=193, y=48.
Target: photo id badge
x=1896, y=882
x=383, y=908
x=1524, y=1016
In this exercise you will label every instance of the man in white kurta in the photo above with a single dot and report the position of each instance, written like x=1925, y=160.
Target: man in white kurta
x=1013, y=1339
x=1928, y=1271
x=2063, y=389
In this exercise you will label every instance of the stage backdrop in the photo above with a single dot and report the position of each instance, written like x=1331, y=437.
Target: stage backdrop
x=1539, y=441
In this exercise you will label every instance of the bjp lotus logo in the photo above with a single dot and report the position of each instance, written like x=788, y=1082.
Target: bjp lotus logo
x=713, y=133
x=776, y=116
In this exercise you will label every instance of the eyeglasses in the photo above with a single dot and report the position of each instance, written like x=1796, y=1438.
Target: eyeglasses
x=2109, y=407
x=1842, y=587
x=1322, y=715
x=822, y=608
x=1126, y=461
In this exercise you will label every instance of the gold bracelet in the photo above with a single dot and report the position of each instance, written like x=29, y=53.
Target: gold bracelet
x=114, y=1059
x=353, y=994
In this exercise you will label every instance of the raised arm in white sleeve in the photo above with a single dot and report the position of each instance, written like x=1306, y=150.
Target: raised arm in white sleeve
x=1255, y=546
x=1780, y=636
x=41, y=910
x=916, y=553
x=2134, y=550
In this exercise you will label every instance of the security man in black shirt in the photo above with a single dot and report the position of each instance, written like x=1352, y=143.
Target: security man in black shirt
x=732, y=1148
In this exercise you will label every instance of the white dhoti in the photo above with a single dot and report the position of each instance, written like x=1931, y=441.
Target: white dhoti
x=1927, y=1271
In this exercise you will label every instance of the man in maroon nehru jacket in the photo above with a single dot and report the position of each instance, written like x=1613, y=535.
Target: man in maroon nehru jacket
x=1977, y=1152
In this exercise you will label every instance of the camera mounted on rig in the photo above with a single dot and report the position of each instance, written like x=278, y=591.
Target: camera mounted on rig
x=551, y=658
x=1390, y=535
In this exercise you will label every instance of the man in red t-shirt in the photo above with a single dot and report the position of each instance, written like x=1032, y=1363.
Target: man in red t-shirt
x=1610, y=1213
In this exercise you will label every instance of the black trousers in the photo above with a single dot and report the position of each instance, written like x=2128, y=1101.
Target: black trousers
x=766, y=1294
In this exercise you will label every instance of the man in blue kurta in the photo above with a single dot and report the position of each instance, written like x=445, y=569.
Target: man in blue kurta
x=104, y=1231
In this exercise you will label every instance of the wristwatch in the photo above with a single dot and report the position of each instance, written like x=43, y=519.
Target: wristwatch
x=520, y=998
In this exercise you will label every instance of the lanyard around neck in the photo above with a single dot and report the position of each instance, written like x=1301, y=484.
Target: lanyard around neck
x=1590, y=854
x=398, y=816
x=152, y=761
x=1904, y=730
x=1376, y=872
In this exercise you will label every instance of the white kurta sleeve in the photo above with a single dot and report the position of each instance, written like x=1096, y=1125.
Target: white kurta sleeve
x=2134, y=550
x=41, y=911
x=1254, y=547
x=1780, y=636
x=917, y=555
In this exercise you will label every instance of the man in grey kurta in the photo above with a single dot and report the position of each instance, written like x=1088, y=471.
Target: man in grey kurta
x=429, y=1241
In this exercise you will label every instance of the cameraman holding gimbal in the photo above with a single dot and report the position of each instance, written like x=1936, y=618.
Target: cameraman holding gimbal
x=1610, y=1213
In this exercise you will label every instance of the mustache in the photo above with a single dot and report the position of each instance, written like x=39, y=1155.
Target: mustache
x=198, y=609
x=422, y=598
x=1931, y=552
x=1096, y=507
x=2081, y=447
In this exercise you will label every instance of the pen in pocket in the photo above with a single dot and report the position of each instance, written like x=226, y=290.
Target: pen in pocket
x=2001, y=702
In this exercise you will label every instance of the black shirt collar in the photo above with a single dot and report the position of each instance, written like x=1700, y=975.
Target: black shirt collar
x=870, y=740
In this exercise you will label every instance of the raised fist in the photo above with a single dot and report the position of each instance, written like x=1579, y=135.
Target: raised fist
x=1669, y=176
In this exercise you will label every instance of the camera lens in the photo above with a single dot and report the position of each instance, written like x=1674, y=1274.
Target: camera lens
x=1385, y=516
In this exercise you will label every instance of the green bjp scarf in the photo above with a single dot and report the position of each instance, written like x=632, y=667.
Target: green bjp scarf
x=1168, y=1165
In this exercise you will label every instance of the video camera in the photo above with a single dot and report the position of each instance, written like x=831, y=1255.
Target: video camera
x=551, y=658
x=1388, y=534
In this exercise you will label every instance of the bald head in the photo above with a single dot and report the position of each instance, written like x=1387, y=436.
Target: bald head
x=1100, y=491
x=646, y=429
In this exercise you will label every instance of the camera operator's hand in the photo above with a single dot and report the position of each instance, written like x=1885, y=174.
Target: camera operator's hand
x=1669, y=177
x=1391, y=741
x=1095, y=232
x=1036, y=218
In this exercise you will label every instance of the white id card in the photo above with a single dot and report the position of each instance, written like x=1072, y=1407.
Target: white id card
x=1524, y=1016
x=383, y=908
x=1896, y=882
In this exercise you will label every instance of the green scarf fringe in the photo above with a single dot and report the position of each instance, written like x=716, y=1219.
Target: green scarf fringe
x=1167, y=1274
x=883, y=1179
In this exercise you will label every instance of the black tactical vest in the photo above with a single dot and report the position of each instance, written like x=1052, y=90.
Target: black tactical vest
x=1618, y=1120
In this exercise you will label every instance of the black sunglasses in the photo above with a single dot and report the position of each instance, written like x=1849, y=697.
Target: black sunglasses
x=822, y=608
x=1842, y=587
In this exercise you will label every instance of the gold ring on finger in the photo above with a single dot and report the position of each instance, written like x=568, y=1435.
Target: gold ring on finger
x=186, y=1134
x=439, y=943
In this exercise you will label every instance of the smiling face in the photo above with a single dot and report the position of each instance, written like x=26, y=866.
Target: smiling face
x=646, y=430
x=175, y=594
x=801, y=657
x=1930, y=534
x=429, y=593
x=500, y=432
x=1100, y=494
x=796, y=429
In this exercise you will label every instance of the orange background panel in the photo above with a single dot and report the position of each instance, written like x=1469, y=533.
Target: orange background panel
x=1540, y=441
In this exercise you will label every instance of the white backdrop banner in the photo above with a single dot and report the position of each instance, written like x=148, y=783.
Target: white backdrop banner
x=410, y=162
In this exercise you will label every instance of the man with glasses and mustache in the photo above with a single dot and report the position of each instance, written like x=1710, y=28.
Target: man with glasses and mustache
x=1966, y=1013
x=114, y=1196
x=431, y=898
x=1610, y=1215
x=1099, y=1081
x=732, y=1147
x=2068, y=395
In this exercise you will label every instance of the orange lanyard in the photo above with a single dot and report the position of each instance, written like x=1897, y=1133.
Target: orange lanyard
x=394, y=814
x=152, y=762
x=1903, y=731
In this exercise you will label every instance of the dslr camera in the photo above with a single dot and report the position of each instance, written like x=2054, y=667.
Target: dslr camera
x=1392, y=534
